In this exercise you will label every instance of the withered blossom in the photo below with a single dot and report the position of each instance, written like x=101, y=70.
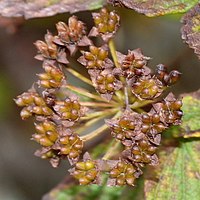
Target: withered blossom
x=72, y=35
x=126, y=99
x=106, y=24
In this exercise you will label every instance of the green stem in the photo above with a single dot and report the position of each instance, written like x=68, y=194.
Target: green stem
x=101, y=114
x=137, y=104
x=84, y=92
x=98, y=113
x=119, y=97
x=113, y=52
x=97, y=104
x=119, y=94
x=88, y=124
x=115, y=144
x=126, y=97
x=98, y=131
x=94, y=133
x=80, y=76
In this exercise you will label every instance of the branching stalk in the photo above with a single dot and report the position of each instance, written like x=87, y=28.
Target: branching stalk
x=126, y=96
x=98, y=113
x=98, y=131
x=85, y=92
x=80, y=76
x=137, y=104
x=89, y=123
x=94, y=133
x=97, y=104
x=115, y=144
x=111, y=45
x=101, y=114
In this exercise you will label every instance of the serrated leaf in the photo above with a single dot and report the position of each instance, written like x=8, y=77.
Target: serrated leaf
x=179, y=177
x=44, y=8
x=153, y=8
x=191, y=29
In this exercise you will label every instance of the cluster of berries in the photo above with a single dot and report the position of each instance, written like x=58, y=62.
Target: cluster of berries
x=124, y=82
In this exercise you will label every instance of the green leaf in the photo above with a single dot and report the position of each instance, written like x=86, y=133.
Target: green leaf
x=153, y=8
x=179, y=176
x=95, y=192
x=191, y=109
x=86, y=193
x=191, y=29
x=37, y=8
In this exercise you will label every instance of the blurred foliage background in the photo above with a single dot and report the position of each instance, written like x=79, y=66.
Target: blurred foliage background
x=24, y=176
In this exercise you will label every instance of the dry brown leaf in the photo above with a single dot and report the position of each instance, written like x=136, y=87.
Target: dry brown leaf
x=43, y=8
x=191, y=29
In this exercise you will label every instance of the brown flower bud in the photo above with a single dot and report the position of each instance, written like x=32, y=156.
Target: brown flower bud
x=52, y=78
x=123, y=173
x=68, y=109
x=106, y=23
x=48, y=49
x=147, y=88
x=46, y=133
x=86, y=172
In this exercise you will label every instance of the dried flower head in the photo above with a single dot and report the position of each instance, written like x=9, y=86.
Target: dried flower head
x=72, y=35
x=106, y=24
x=126, y=95
x=123, y=173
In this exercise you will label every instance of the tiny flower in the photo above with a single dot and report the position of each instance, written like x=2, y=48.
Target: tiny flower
x=147, y=88
x=72, y=35
x=48, y=50
x=71, y=145
x=86, y=171
x=123, y=173
x=52, y=78
x=46, y=133
x=96, y=58
x=106, y=24
x=69, y=109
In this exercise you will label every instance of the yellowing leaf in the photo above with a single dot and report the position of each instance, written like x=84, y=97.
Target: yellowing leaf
x=191, y=29
x=153, y=8
x=43, y=8
x=179, y=178
x=191, y=110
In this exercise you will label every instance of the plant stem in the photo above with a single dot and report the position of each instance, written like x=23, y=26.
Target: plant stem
x=113, y=52
x=89, y=123
x=126, y=97
x=98, y=131
x=98, y=113
x=80, y=76
x=97, y=104
x=94, y=133
x=85, y=92
x=111, y=45
x=112, y=149
x=137, y=104
x=119, y=96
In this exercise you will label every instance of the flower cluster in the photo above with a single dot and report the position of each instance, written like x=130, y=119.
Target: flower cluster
x=128, y=96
